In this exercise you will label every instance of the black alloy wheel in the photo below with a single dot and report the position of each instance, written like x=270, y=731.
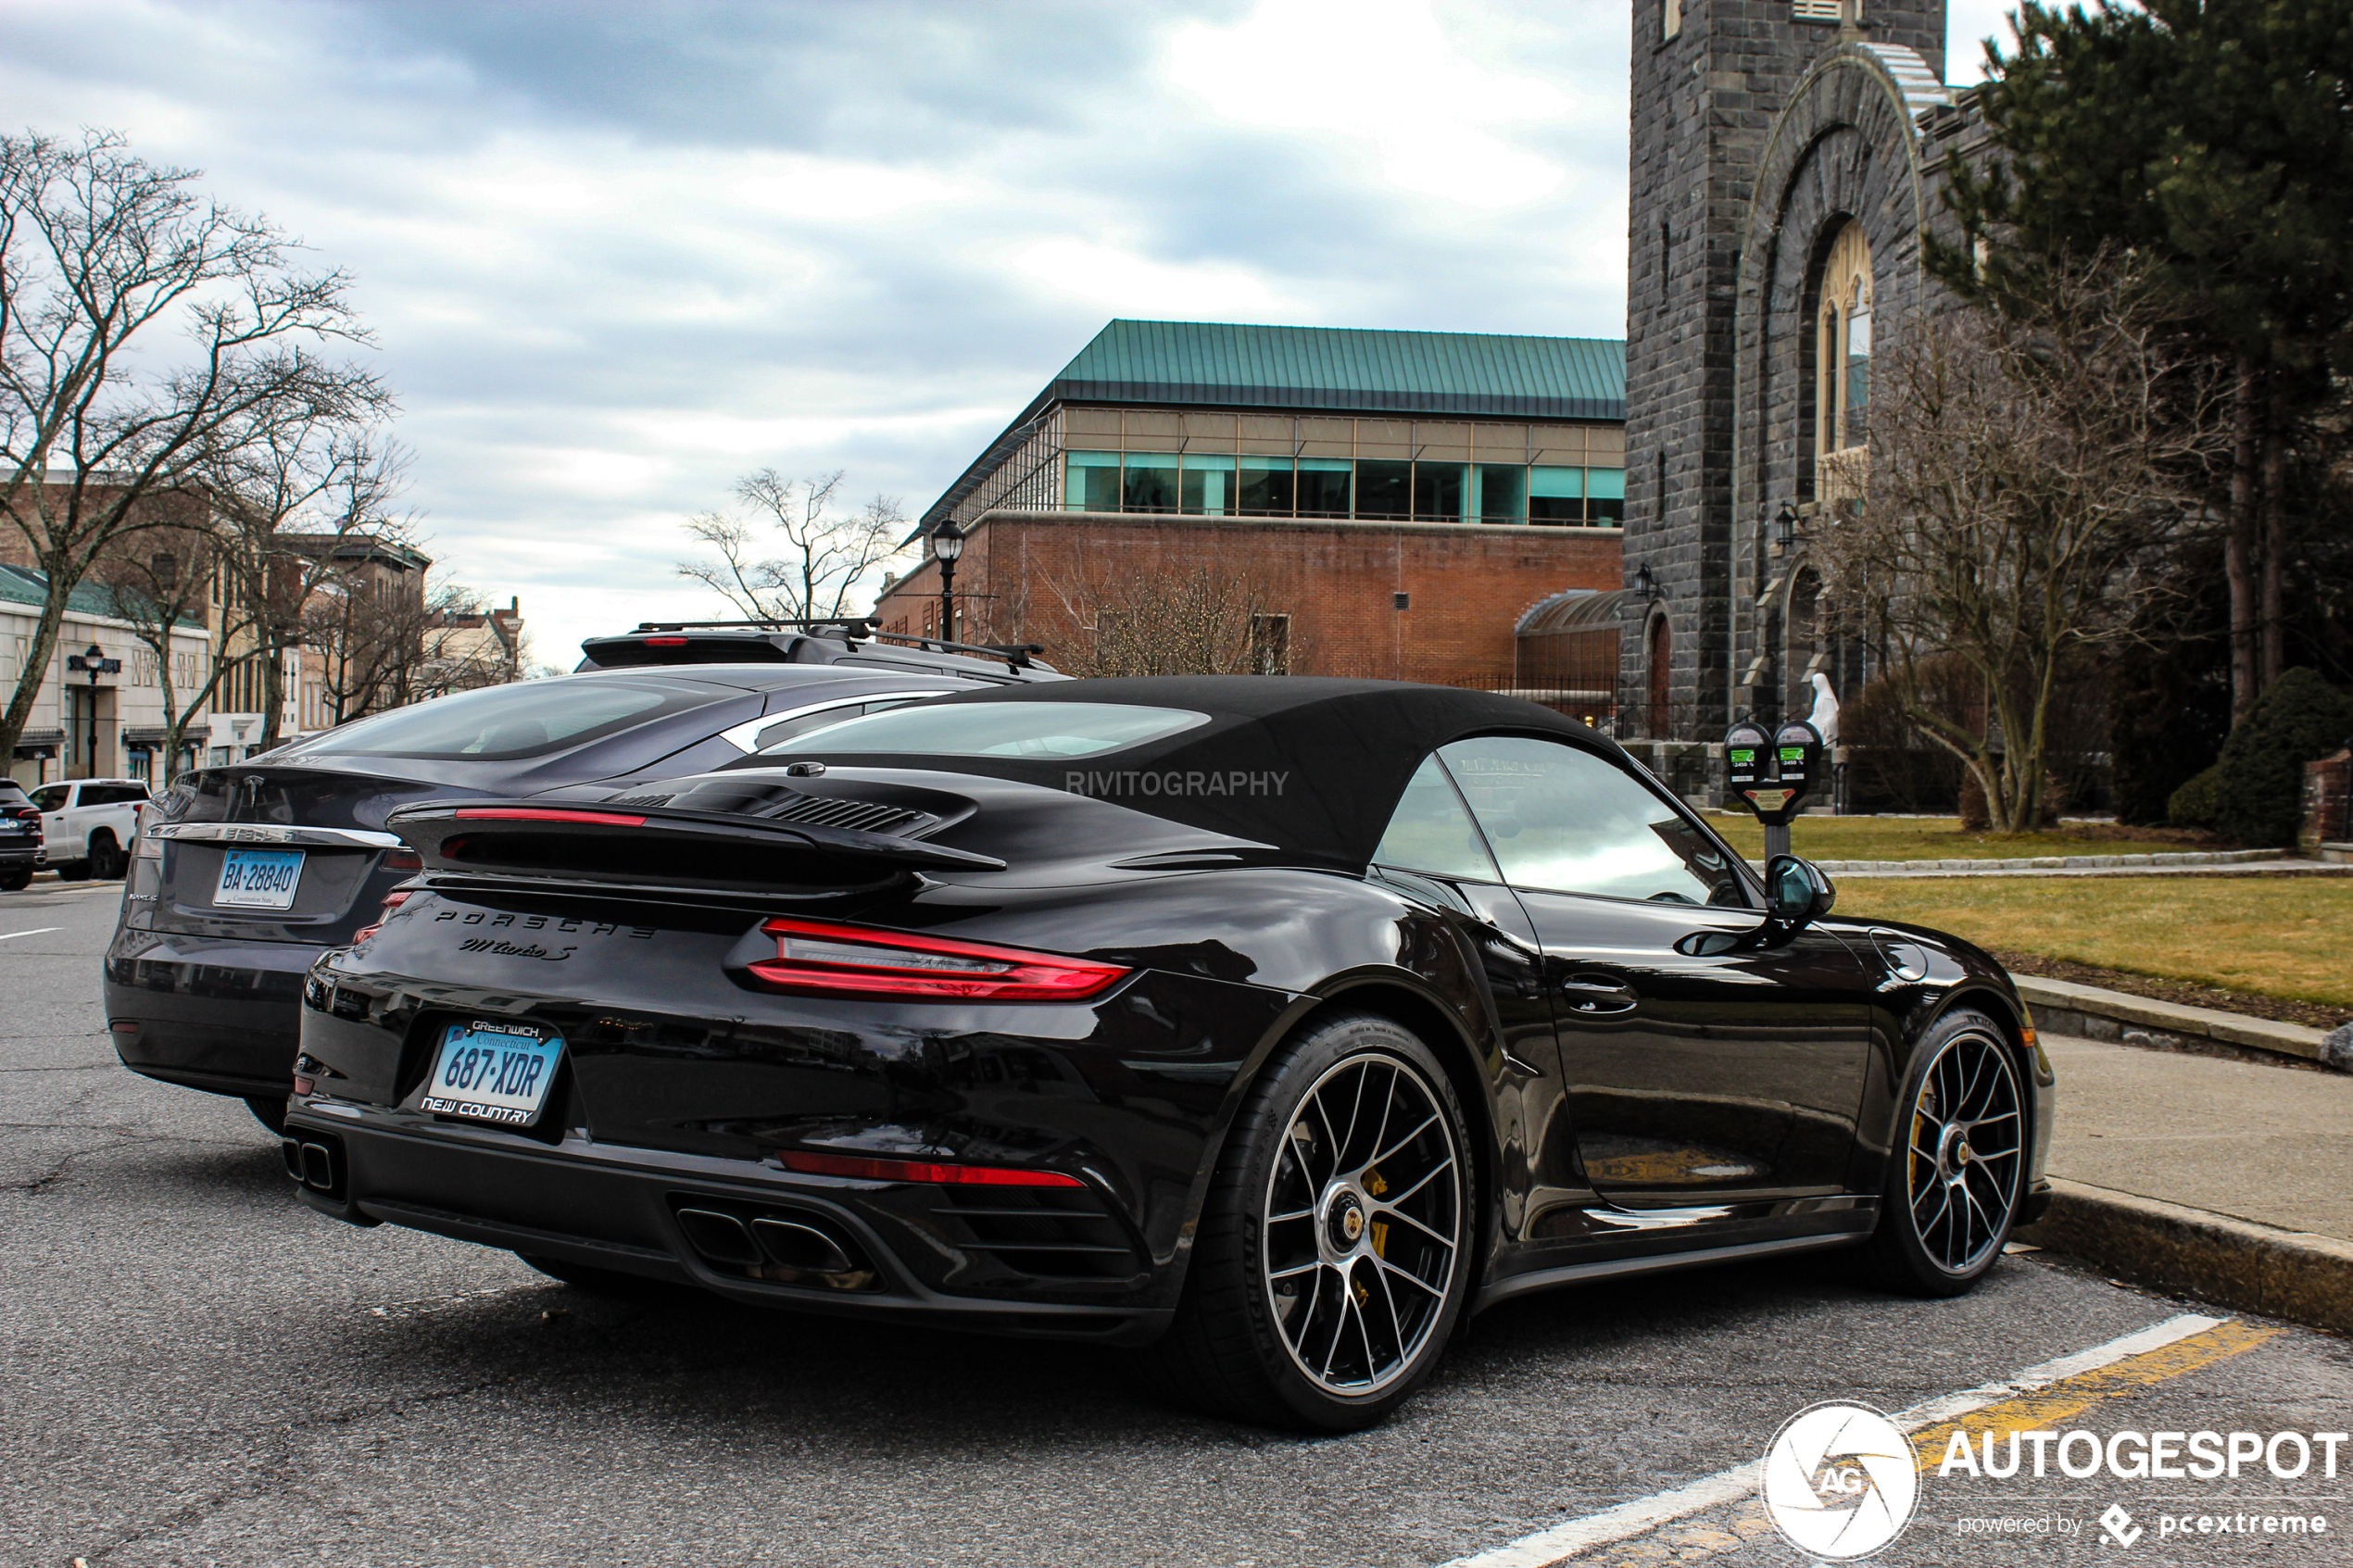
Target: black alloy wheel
x=106, y=861
x=1332, y=1260
x=1955, y=1181
x=16, y=879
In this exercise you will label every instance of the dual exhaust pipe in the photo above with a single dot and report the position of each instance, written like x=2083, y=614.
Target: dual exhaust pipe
x=315, y=1159
x=787, y=1247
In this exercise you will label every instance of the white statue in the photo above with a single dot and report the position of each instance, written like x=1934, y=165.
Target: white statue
x=1825, y=715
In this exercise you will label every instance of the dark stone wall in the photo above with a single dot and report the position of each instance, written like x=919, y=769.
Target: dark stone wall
x=1845, y=149
x=1704, y=107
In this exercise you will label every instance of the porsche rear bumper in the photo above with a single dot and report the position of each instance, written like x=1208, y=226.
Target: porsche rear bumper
x=647, y=1212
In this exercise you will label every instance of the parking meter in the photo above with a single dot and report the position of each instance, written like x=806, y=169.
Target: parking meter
x=1770, y=774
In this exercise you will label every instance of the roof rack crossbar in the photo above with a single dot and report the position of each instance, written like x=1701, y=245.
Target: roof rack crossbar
x=856, y=628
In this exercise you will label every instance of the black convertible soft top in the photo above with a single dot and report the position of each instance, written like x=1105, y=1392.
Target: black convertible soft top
x=1308, y=764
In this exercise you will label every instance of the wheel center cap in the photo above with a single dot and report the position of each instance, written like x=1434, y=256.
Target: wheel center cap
x=1347, y=1222
x=1962, y=1154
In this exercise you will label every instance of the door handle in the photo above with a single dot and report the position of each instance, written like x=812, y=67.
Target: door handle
x=1598, y=995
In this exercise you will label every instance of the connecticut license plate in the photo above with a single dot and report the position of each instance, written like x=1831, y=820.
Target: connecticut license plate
x=259, y=879
x=493, y=1072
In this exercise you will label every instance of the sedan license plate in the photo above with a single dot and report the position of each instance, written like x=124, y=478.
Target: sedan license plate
x=259, y=879
x=493, y=1072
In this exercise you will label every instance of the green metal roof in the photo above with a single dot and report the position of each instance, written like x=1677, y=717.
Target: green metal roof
x=1224, y=365
x=24, y=586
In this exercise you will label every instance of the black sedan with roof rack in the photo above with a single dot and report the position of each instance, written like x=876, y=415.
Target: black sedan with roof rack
x=1275, y=1024
x=245, y=873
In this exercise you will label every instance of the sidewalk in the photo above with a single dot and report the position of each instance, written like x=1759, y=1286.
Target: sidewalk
x=2228, y=1179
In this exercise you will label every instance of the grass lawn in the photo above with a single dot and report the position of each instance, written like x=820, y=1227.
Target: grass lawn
x=1938, y=838
x=2289, y=937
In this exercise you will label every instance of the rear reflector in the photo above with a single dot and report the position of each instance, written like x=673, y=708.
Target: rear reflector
x=543, y=814
x=821, y=958
x=865, y=1168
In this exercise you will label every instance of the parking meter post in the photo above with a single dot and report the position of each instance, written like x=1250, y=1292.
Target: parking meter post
x=1771, y=773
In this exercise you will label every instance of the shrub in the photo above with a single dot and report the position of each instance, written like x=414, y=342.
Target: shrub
x=2259, y=797
x=2191, y=805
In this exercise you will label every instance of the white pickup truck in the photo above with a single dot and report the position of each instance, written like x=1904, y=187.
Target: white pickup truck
x=88, y=825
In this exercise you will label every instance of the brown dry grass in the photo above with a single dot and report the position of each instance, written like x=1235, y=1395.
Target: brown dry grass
x=1941, y=838
x=2288, y=936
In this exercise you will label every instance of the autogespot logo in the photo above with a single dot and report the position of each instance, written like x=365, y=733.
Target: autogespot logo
x=1840, y=1482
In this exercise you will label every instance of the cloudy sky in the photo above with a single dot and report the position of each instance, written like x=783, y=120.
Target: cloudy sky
x=618, y=254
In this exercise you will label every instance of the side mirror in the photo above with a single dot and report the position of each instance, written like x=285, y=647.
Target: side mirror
x=1796, y=892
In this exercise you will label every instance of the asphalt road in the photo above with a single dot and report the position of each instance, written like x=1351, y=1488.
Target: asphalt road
x=199, y=1370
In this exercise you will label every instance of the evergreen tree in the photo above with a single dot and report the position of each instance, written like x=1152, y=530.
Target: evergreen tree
x=2212, y=140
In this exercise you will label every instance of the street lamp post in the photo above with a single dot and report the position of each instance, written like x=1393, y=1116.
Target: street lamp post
x=946, y=546
x=97, y=663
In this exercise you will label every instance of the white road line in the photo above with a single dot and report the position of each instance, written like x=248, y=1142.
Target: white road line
x=1548, y=1547
x=36, y=931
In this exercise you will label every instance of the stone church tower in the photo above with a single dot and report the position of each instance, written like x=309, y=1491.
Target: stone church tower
x=1784, y=162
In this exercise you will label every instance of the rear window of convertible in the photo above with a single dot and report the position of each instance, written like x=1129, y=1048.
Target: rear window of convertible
x=498, y=722
x=1002, y=729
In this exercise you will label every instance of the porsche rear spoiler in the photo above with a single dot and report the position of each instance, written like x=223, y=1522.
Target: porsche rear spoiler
x=652, y=845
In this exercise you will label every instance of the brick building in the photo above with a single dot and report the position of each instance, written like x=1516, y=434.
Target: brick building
x=1389, y=503
x=1785, y=159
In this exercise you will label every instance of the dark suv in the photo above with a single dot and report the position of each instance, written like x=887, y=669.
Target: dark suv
x=245, y=874
x=20, y=836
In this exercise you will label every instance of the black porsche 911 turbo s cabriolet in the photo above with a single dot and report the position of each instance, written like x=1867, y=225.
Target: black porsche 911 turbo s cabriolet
x=1275, y=1023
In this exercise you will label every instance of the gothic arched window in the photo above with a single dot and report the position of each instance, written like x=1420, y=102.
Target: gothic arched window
x=1843, y=360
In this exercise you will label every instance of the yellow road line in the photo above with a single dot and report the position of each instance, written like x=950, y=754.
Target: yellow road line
x=2046, y=1408
x=1723, y=1513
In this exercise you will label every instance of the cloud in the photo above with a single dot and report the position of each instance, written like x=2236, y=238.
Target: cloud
x=618, y=254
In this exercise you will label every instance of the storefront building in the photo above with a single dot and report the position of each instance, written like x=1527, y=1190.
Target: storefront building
x=94, y=721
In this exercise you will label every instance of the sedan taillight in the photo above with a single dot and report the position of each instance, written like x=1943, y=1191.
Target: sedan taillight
x=820, y=958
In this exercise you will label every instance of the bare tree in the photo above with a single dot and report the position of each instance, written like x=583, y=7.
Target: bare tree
x=292, y=490
x=1201, y=621
x=2027, y=472
x=463, y=646
x=826, y=556
x=164, y=585
x=375, y=625
x=98, y=249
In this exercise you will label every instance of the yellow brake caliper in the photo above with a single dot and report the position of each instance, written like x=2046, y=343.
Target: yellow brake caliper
x=1377, y=1185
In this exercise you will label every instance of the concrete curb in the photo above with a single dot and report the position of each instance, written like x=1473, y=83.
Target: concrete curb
x=2293, y=1274
x=2061, y=1007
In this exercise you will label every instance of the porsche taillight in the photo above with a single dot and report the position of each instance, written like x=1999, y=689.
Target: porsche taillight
x=821, y=958
x=392, y=901
x=867, y=1168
